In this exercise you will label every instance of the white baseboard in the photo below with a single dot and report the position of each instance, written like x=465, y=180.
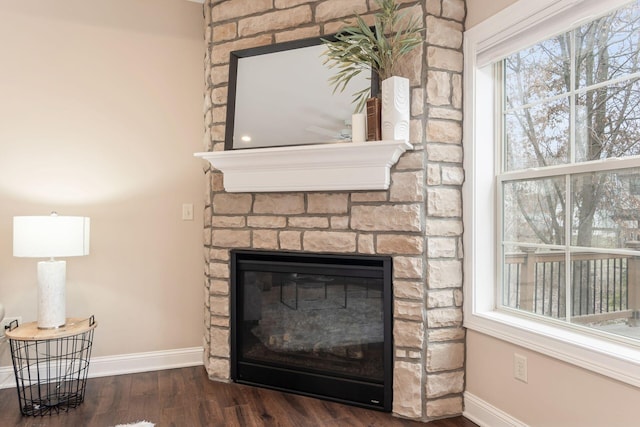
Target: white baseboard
x=486, y=415
x=7, y=378
x=128, y=363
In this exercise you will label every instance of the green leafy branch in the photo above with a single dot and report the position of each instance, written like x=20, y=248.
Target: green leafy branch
x=359, y=48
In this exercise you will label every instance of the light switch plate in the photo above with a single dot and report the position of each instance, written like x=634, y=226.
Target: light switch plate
x=187, y=211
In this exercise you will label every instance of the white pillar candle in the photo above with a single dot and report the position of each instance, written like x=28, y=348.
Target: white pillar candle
x=358, y=127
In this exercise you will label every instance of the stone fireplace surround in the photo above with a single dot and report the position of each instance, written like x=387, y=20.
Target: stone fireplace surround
x=417, y=220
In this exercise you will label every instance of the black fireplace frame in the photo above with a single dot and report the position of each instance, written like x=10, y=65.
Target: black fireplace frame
x=356, y=392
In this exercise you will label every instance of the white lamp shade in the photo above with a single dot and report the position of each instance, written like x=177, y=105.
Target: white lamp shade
x=50, y=236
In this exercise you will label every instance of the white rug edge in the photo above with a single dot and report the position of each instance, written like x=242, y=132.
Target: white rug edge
x=137, y=424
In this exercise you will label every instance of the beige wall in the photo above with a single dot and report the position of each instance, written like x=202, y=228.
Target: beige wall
x=557, y=393
x=479, y=10
x=100, y=112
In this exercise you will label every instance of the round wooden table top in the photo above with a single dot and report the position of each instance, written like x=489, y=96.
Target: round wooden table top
x=30, y=332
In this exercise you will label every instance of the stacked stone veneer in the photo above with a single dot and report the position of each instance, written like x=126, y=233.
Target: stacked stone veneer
x=417, y=221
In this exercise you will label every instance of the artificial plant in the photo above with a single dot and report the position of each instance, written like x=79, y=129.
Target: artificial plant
x=359, y=47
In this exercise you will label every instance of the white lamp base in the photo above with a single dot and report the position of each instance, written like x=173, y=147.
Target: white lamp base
x=51, y=294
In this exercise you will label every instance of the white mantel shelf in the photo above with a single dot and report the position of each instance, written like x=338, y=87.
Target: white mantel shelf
x=318, y=167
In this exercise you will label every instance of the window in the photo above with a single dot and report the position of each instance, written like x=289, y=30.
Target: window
x=552, y=152
x=570, y=224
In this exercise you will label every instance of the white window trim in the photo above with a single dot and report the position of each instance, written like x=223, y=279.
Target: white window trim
x=518, y=26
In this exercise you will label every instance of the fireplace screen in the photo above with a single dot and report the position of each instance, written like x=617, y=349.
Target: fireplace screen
x=313, y=324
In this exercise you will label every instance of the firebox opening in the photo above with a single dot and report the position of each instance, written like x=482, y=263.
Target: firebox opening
x=313, y=324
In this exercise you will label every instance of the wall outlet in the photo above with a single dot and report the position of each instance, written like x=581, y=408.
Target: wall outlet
x=520, y=367
x=5, y=323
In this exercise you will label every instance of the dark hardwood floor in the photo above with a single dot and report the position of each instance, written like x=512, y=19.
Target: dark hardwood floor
x=187, y=398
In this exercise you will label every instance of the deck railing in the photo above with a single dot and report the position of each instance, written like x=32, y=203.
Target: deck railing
x=600, y=283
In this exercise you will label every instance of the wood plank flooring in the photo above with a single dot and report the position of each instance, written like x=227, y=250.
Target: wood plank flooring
x=187, y=398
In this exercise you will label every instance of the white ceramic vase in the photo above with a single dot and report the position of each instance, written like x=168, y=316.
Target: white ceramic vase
x=395, y=108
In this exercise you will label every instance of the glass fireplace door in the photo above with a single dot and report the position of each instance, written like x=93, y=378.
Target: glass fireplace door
x=310, y=319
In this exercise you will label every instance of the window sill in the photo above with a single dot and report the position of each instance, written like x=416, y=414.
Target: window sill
x=607, y=357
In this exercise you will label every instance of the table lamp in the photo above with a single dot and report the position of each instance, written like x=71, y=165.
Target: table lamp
x=48, y=237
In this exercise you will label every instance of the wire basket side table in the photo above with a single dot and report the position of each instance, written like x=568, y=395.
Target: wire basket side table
x=51, y=365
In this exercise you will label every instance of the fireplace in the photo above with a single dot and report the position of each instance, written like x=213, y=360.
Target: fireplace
x=313, y=324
